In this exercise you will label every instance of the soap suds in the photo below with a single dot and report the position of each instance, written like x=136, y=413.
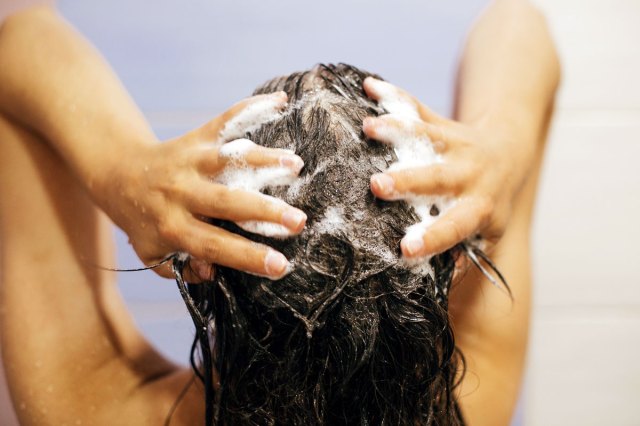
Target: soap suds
x=255, y=180
x=236, y=149
x=392, y=100
x=252, y=117
x=412, y=151
x=332, y=221
x=239, y=148
x=267, y=229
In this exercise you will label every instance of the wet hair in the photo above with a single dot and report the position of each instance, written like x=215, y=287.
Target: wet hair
x=353, y=335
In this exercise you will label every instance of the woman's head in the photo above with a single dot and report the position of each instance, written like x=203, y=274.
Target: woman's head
x=352, y=335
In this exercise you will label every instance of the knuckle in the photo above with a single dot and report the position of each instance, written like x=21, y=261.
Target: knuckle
x=223, y=201
x=485, y=208
x=439, y=176
x=404, y=180
x=211, y=251
x=169, y=230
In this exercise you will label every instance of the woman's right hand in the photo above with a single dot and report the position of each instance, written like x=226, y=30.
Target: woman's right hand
x=159, y=195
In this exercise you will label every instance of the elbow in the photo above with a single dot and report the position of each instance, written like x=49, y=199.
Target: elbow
x=26, y=17
x=552, y=56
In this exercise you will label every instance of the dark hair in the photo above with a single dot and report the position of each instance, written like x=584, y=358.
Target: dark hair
x=352, y=335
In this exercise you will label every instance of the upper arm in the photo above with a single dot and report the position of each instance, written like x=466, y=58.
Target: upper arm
x=69, y=346
x=492, y=330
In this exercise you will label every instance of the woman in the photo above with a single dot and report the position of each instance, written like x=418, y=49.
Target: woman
x=105, y=372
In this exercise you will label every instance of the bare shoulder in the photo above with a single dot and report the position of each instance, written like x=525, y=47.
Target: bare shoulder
x=70, y=348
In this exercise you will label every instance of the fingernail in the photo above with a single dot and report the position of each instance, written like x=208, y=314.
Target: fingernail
x=368, y=123
x=275, y=263
x=281, y=95
x=370, y=80
x=411, y=245
x=294, y=219
x=292, y=162
x=383, y=183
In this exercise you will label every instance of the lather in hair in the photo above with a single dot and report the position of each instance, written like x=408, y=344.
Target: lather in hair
x=353, y=335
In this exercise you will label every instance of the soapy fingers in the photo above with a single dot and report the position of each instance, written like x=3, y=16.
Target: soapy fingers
x=225, y=248
x=437, y=179
x=455, y=176
x=397, y=100
x=164, y=196
x=396, y=129
x=459, y=223
x=219, y=201
x=245, y=116
x=211, y=159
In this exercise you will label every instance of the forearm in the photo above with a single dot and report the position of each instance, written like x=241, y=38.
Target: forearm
x=53, y=82
x=508, y=76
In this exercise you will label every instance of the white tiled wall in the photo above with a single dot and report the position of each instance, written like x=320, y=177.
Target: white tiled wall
x=584, y=364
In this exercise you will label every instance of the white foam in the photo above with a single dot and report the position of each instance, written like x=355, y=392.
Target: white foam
x=394, y=101
x=261, y=111
x=239, y=148
x=267, y=229
x=255, y=180
x=236, y=149
x=412, y=150
x=244, y=177
x=294, y=188
x=333, y=220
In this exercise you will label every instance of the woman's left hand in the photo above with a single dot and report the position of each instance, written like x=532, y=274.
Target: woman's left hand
x=481, y=169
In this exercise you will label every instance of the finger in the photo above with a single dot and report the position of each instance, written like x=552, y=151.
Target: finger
x=465, y=218
x=461, y=268
x=393, y=99
x=164, y=270
x=396, y=129
x=437, y=179
x=245, y=116
x=220, y=202
x=196, y=272
x=201, y=270
x=221, y=247
x=398, y=101
x=245, y=152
